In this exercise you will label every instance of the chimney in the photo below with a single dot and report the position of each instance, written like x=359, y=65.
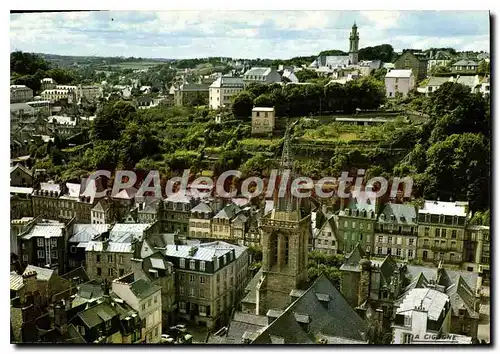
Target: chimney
x=29, y=280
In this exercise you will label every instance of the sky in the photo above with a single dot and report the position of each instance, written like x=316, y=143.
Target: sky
x=242, y=34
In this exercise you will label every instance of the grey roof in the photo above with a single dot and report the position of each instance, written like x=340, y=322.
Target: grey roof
x=127, y=232
x=202, y=207
x=437, y=81
x=432, y=301
x=444, y=208
x=465, y=63
x=41, y=273
x=54, y=229
x=260, y=71
x=118, y=247
x=228, y=212
x=335, y=318
x=194, y=87
x=16, y=281
x=22, y=168
x=242, y=326
x=405, y=73
x=86, y=232
x=227, y=81
x=143, y=288
x=333, y=61
x=21, y=190
x=14, y=107
x=98, y=314
x=204, y=251
x=404, y=214
x=251, y=289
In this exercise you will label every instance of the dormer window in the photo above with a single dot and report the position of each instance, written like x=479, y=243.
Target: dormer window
x=192, y=264
x=182, y=263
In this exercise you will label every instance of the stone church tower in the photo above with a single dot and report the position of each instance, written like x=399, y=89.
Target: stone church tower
x=353, y=45
x=285, y=235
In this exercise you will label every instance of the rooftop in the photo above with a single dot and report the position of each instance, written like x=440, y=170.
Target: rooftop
x=263, y=109
x=444, y=208
x=429, y=300
x=398, y=74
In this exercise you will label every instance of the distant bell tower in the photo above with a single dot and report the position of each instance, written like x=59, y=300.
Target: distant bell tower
x=353, y=45
x=285, y=238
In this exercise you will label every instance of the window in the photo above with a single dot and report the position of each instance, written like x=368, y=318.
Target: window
x=191, y=291
x=110, y=271
x=25, y=258
x=437, y=233
x=203, y=310
x=407, y=338
x=410, y=242
x=379, y=250
x=149, y=303
x=143, y=306
x=389, y=239
x=72, y=249
x=181, y=290
x=353, y=224
x=453, y=233
x=380, y=239
x=389, y=250
x=54, y=254
x=121, y=271
x=202, y=293
x=39, y=242
x=191, y=278
x=202, y=280
x=181, y=276
x=182, y=306
x=41, y=254
x=98, y=271
x=443, y=233
x=182, y=263
x=156, y=299
x=156, y=331
x=192, y=264
x=98, y=258
x=202, y=265
x=410, y=254
x=110, y=258
x=120, y=258
x=346, y=224
x=53, y=242
x=426, y=231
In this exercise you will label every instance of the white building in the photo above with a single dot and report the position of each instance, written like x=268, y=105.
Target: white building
x=401, y=81
x=223, y=89
x=423, y=317
x=325, y=238
x=144, y=297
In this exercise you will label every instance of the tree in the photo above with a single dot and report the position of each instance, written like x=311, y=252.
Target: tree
x=264, y=100
x=242, y=105
x=111, y=120
x=305, y=75
x=24, y=63
x=383, y=52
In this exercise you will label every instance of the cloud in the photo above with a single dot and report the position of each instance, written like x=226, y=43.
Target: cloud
x=242, y=34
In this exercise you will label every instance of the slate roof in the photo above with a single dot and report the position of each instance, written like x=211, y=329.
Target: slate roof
x=142, y=288
x=45, y=230
x=258, y=71
x=242, y=326
x=22, y=168
x=251, y=289
x=86, y=232
x=21, y=190
x=227, y=81
x=127, y=232
x=432, y=301
x=41, y=273
x=465, y=63
x=194, y=87
x=404, y=214
x=335, y=318
x=77, y=273
x=118, y=247
x=228, y=212
x=399, y=73
x=437, y=81
x=443, y=208
x=204, y=251
x=202, y=207
x=97, y=314
x=333, y=61
x=16, y=281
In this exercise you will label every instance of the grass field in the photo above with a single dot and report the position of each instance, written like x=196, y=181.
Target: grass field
x=135, y=65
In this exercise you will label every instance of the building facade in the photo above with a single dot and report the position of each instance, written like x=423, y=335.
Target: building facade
x=223, y=89
x=399, y=82
x=263, y=120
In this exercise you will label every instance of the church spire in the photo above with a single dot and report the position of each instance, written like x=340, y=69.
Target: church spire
x=286, y=202
x=353, y=45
